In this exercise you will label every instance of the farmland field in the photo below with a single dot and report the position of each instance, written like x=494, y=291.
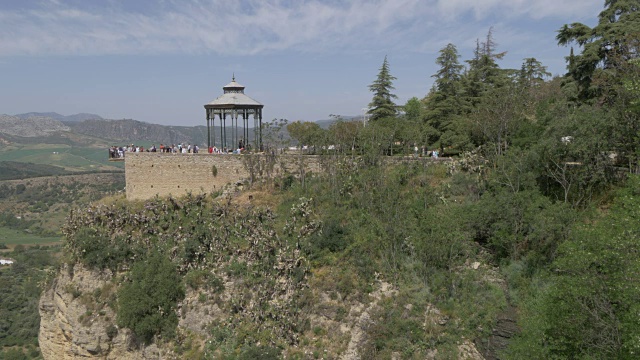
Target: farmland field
x=12, y=237
x=67, y=157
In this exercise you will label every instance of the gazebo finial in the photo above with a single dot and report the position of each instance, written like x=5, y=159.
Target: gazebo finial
x=233, y=77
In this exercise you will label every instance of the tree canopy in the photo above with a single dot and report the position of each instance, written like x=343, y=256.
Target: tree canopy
x=382, y=105
x=614, y=38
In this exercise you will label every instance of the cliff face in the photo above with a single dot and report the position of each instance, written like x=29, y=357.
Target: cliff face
x=70, y=330
x=248, y=290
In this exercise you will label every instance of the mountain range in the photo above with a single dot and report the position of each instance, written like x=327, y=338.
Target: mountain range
x=56, y=116
x=20, y=127
x=51, y=126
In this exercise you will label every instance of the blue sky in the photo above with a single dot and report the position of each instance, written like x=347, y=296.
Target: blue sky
x=161, y=61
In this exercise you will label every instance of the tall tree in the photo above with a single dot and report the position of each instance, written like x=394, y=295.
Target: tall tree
x=611, y=39
x=497, y=118
x=382, y=104
x=484, y=72
x=450, y=72
x=532, y=73
x=485, y=59
x=409, y=130
x=444, y=105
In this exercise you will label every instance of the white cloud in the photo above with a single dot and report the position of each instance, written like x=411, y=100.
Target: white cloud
x=535, y=9
x=255, y=26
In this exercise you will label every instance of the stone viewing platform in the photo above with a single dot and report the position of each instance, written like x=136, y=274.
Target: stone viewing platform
x=149, y=174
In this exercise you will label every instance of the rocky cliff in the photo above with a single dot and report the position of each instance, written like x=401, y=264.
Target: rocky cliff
x=250, y=289
x=69, y=329
x=77, y=323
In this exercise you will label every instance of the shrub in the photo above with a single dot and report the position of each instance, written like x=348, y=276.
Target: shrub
x=147, y=303
x=20, y=188
x=196, y=278
x=259, y=353
x=112, y=331
x=334, y=237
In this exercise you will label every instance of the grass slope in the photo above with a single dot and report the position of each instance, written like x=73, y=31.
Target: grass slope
x=11, y=170
x=12, y=237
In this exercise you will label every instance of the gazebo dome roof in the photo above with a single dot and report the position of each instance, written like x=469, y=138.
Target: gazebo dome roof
x=233, y=85
x=233, y=96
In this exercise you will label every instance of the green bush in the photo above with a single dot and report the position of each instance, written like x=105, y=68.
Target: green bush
x=13, y=354
x=256, y=352
x=147, y=304
x=112, y=331
x=101, y=251
x=333, y=238
x=20, y=188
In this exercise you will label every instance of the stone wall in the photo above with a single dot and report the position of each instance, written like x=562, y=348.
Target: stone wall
x=148, y=174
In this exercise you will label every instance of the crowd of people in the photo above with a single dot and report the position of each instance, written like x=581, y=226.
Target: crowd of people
x=118, y=152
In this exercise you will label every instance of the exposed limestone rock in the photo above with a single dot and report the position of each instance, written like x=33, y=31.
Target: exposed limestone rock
x=77, y=324
x=468, y=351
x=358, y=331
x=70, y=330
x=197, y=314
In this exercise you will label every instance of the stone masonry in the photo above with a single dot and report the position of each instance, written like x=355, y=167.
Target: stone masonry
x=149, y=174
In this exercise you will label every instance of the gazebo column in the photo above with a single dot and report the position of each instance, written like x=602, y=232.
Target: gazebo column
x=244, y=143
x=235, y=129
x=260, y=127
x=208, y=129
x=255, y=131
x=245, y=127
x=213, y=126
x=223, y=132
x=211, y=117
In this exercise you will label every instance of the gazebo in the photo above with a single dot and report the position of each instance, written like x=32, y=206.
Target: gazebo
x=234, y=103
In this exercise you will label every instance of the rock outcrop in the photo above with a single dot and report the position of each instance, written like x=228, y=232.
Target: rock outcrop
x=78, y=323
x=247, y=290
x=69, y=328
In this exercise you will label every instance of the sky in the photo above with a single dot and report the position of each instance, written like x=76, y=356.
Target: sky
x=161, y=61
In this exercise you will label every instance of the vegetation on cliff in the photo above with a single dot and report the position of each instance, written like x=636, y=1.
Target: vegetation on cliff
x=21, y=287
x=31, y=213
x=534, y=220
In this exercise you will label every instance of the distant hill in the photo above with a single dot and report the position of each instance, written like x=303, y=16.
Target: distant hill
x=325, y=124
x=93, y=130
x=132, y=131
x=30, y=127
x=56, y=116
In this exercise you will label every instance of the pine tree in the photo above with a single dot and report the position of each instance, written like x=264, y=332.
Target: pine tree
x=444, y=103
x=484, y=73
x=448, y=77
x=605, y=46
x=532, y=73
x=382, y=104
